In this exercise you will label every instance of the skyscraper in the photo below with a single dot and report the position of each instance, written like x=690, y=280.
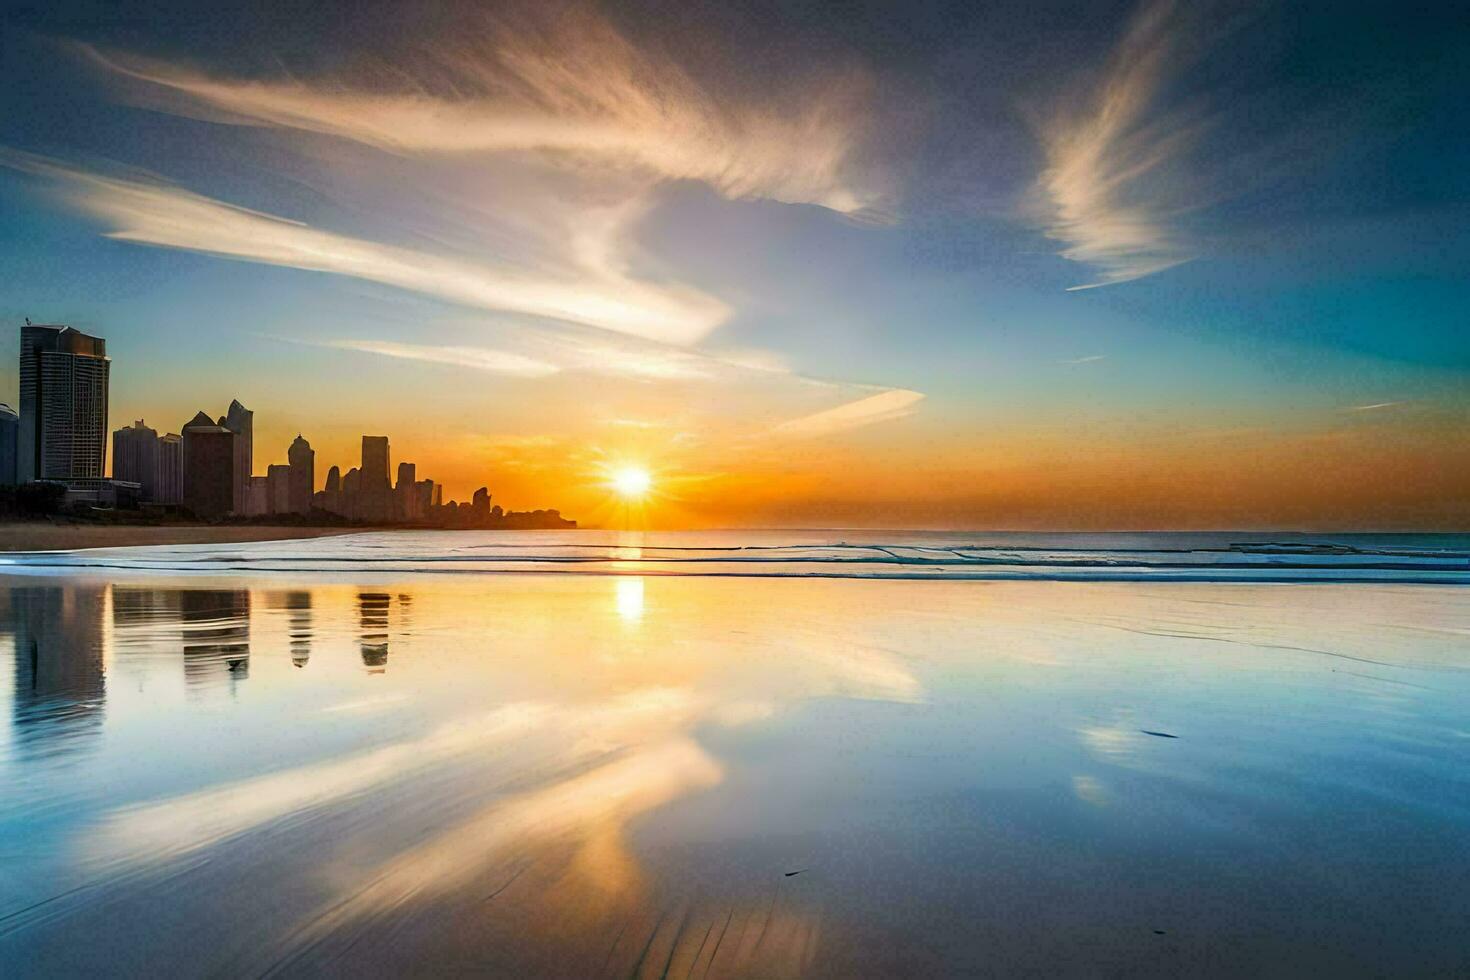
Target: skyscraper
x=135, y=457
x=332, y=492
x=375, y=497
x=303, y=475
x=168, y=481
x=63, y=404
x=405, y=500
x=241, y=421
x=209, y=467
x=9, y=443
x=278, y=488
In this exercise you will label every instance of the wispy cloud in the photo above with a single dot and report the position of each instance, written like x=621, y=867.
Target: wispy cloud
x=569, y=87
x=892, y=404
x=1111, y=202
x=478, y=358
x=168, y=216
x=553, y=356
x=1086, y=360
x=1374, y=407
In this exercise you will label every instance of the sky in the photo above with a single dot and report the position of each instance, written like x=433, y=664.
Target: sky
x=1008, y=265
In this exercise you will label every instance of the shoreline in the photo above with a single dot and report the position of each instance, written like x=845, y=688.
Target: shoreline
x=40, y=536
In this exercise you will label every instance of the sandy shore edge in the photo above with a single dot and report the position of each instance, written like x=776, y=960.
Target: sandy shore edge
x=36, y=536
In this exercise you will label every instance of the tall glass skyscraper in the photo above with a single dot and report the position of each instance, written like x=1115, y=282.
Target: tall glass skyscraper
x=63, y=404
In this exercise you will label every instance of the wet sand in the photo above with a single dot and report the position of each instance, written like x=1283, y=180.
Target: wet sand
x=582, y=775
x=39, y=536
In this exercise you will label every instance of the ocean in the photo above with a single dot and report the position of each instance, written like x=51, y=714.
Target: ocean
x=823, y=753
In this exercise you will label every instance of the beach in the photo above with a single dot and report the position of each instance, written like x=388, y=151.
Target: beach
x=59, y=536
x=355, y=755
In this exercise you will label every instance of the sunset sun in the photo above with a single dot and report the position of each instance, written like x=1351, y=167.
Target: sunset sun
x=632, y=482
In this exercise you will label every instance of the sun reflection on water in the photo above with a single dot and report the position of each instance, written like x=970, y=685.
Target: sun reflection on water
x=630, y=599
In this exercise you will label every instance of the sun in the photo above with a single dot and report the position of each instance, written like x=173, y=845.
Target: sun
x=632, y=482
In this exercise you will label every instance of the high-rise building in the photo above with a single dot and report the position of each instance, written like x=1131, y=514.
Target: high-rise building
x=375, y=493
x=375, y=460
x=303, y=475
x=209, y=467
x=257, y=497
x=9, y=444
x=168, y=481
x=135, y=457
x=241, y=421
x=278, y=487
x=332, y=492
x=63, y=404
x=405, y=498
x=351, y=496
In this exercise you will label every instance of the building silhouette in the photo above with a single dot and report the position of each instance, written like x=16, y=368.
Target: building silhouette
x=375, y=492
x=257, y=497
x=63, y=404
x=302, y=460
x=351, y=508
x=278, y=488
x=330, y=498
x=9, y=444
x=169, y=482
x=405, y=500
x=209, y=467
x=135, y=457
x=241, y=421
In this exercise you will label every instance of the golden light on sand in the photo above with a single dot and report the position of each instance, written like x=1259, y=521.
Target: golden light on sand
x=631, y=482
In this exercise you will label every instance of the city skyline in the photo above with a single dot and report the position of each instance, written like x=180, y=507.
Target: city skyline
x=1028, y=266
x=206, y=470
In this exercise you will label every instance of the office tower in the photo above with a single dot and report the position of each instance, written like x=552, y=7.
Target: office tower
x=278, y=487
x=135, y=457
x=168, y=480
x=332, y=492
x=257, y=497
x=9, y=444
x=241, y=421
x=481, y=505
x=351, y=503
x=303, y=475
x=405, y=500
x=375, y=498
x=423, y=492
x=209, y=467
x=63, y=404
x=375, y=460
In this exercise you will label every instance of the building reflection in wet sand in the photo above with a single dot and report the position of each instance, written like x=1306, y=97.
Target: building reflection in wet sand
x=372, y=617
x=59, y=676
x=216, y=634
x=298, y=623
